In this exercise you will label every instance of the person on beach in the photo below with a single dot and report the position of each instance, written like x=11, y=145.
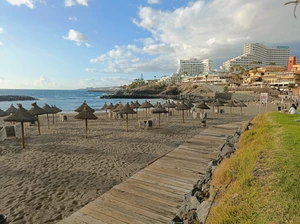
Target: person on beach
x=293, y=109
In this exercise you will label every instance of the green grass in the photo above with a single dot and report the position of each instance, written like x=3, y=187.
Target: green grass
x=264, y=174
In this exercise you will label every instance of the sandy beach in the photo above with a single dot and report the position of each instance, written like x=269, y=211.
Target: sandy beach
x=60, y=170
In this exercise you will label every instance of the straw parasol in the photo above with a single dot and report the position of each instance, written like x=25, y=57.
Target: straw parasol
x=21, y=115
x=217, y=104
x=159, y=110
x=3, y=113
x=203, y=106
x=11, y=109
x=168, y=105
x=36, y=111
x=48, y=110
x=146, y=105
x=241, y=105
x=86, y=114
x=136, y=106
x=118, y=107
x=230, y=104
x=182, y=106
x=55, y=111
x=80, y=108
x=126, y=110
x=104, y=107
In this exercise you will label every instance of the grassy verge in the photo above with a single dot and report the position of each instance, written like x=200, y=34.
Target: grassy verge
x=260, y=183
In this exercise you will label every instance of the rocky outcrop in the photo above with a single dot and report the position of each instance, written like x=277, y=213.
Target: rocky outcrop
x=200, y=199
x=15, y=98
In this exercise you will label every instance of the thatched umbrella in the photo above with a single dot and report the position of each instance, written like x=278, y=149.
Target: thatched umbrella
x=3, y=113
x=110, y=107
x=104, y=107
x=241, y=105
x=203, y=106
x=146, y=105
x=217, y=104
x=36, y=111
x=11, y=109
x=86, y=114
x=136, y=106
x=159, y=110
x=55, y=111
x=48, y=110
x=182, y=107
x=118, y=107
x=80, y=108
x=230, y=104
x=21, y=115
x=168, y=105
x=126, y=110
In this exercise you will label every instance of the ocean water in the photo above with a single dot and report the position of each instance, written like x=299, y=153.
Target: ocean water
x=67, y=100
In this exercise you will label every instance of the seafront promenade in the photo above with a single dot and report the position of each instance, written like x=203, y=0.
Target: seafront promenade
x=155, y=193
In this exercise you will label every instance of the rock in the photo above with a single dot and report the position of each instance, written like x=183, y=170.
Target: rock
x=226, y=151
x=202, y=211
x=192, y=203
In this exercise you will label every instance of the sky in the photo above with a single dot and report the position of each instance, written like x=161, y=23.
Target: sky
x=72, y=44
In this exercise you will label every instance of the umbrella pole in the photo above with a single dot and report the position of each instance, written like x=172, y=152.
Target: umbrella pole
x=86, y=125
x=127, y=122
x=53, y=118
x=137, y=113
x=23, y=141
x=168, y=113
x=241, y=110
x=146, y=112
x=39, y=128
x=158, y=119
x=182, y=116
x=48, y=121
x=106, y=113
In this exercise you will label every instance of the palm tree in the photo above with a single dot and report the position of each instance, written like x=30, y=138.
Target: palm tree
x=295, y=7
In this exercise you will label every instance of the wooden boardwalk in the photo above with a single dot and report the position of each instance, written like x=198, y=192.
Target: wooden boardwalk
x=154, y=194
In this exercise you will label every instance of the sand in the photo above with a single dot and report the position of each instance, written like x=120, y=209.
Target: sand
x=60, y=170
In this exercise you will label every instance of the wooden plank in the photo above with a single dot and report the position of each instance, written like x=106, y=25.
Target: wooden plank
x=155, y=188
x=191, y=159
x=73, y=220
x=104, y=209
x=144, y=203
x=86, y=218
x=90, y=210
x=129, y=208
x=198, y=169
x=199, y=149
x=155, y=196
x=176, y=173
x=163, y=182
x=187, y=154
x=180, y=162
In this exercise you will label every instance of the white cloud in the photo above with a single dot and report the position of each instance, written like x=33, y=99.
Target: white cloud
x=73, y=18
x=1, y=30
x=69, y=3
x=104, y=82
x=77, y=37
x=153, y=1
x=44, y=82
x=93, y=70
x=1, y=44
x=214, y=29
x=28, y=3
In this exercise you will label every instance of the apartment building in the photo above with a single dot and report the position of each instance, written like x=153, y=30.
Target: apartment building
x=262, y=55
x=194, y=66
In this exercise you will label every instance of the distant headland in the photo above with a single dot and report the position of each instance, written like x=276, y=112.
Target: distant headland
x=15, y=98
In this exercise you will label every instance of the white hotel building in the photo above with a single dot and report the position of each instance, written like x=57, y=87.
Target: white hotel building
x=258, y=52
x=194, y=66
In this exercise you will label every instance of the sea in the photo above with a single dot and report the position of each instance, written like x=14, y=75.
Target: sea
x=66, y=100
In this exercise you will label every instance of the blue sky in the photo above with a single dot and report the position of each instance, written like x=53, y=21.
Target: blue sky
x=71, y=44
